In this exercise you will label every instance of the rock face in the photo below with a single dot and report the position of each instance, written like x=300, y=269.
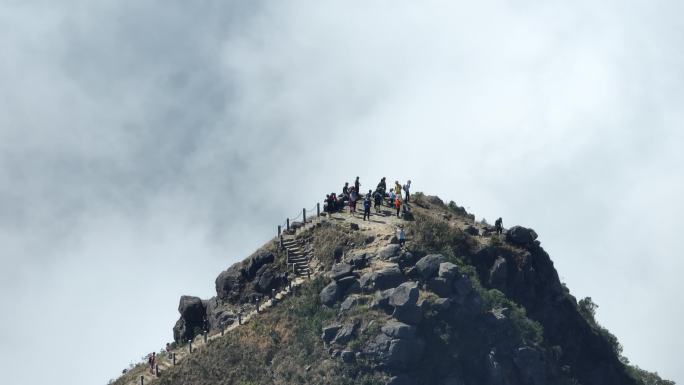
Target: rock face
x=521, y=236
x=395, y=329
x=256, y=262
x=330, y=294
x=396, y=353
x=428, y=266
x=330, y=331
x=192, y=313
x=448, y=271
x=389, y=251
x=405, y=294
x=341, y=270
x=530, y=364
x=345, y=334
x=229, y=284
x=383, y=279
x=268, y=278
x=439, y=286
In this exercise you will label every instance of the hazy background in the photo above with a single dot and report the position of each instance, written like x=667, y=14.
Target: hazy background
x=147, y=145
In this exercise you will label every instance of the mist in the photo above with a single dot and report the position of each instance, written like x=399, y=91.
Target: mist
x=146, y=146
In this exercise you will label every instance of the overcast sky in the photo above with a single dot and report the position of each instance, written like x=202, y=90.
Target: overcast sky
x=147, y=145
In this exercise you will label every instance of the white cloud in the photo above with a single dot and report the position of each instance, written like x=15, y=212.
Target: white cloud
x=136, y=137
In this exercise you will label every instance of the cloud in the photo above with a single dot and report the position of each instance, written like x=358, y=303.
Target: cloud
x=145, y=146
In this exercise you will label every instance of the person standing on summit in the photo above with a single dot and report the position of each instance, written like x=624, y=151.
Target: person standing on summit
x=357, y=185
x=498, y=225
x=382, y=187
x=397, y=188
x=407, y=187
x=367, y=206
x=353, y=196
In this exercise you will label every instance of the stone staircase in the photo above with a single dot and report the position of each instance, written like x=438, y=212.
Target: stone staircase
x=298, y=256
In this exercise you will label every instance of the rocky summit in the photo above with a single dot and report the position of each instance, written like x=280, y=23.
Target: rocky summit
x=339, y=300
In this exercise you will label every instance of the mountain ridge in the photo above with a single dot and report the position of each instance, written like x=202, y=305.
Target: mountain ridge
x=458, y=304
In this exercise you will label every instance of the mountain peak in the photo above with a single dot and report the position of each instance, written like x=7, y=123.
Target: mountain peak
x=422, y=294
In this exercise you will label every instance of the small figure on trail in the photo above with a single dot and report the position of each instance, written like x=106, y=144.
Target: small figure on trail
x=397, y=205
x=369, y=195
x=367, y=207
x=152, y=359
x=392, y=198
x=345, y=189
x=498, y=224
x=357, y=185
x=401, y=236
x=407, y=187
x=378, y=200
x=382, y=187
x=353, y=196
x=397, y=188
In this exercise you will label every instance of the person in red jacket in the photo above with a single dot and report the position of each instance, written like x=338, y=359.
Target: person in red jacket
x=397, y=205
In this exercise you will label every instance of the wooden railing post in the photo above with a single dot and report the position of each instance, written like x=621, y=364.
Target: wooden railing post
x=287, y=223
x=304, y=216
x=174, y=359
x=318, y=210
x=190, y=346
x=279, y=231
x=205, y=336
x=142, y=380
x=156, y=370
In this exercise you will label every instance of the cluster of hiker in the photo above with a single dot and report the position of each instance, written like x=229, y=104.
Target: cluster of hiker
x=352, y=194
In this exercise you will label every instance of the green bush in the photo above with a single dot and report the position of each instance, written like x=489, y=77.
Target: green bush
x=529, y=330
x=587, y=308
x=312, y=315
x=432, y=235
x=646, y=378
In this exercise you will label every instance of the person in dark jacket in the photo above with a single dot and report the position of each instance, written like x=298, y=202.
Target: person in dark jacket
x=378, y=200
x=367, y=206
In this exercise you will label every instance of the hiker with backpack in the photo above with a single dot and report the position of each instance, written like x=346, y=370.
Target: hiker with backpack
x=378, y=200
x=397, y=188
x=498, y=225
x=407, y=187
x=382, y=187
x=367, y=206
